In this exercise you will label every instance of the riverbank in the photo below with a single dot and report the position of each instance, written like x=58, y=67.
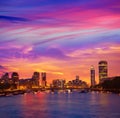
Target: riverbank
x=56, y=91
x=115, y=91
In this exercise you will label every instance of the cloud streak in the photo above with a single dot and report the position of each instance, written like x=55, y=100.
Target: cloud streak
x=13, y=19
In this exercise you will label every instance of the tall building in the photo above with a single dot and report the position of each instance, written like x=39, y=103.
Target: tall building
x=43, y=79
x=92, y=76
x=36, y=78
x=5, y=78
x=15, y=79
x=58, y=83
x=103, y=70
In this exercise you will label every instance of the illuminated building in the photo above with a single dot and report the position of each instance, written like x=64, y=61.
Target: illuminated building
x=5, y=78
x=15, y=79
x=43, y=79
x=92, y=76
x=76, y=83
x=36, y=78
x=58, y=83
x=26, y=83
x=103, y=71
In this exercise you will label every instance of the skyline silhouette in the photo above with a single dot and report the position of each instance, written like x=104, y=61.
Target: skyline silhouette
x=63, y=38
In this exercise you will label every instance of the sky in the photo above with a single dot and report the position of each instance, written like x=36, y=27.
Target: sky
x=60, y=37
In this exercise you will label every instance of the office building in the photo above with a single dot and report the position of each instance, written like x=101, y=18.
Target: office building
x=92, y=76
x=43, y=79
x=15, y=79
x=103, y=70
x=58, y=83
x=36, y=79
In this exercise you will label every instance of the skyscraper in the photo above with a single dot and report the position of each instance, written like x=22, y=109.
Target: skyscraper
x=36, y=78
x=5, y=76
x=15, y=79
x=92, y=75
x=43, y=77
x=103, y=71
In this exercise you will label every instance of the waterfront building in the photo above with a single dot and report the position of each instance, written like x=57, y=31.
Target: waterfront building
x=26, y=83
x=58, y=83
x=103, y=70
x=76, y=83
x=36, y=79
x=15, y=79
x=5, y=78
x=10, y=83
x=92, y=76
x=43, y=79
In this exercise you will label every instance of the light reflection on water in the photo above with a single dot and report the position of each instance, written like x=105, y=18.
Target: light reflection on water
x=74, y=105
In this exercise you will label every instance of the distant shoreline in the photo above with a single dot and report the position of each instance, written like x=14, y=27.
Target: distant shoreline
x=18, y=92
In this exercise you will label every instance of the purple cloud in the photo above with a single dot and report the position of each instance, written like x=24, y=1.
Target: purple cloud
x=13, y=19
x=48, y=52
x=2, y=67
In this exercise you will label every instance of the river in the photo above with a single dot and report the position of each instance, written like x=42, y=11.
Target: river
x=62, y=105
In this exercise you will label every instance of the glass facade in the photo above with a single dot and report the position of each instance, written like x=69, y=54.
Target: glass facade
x=103, y=71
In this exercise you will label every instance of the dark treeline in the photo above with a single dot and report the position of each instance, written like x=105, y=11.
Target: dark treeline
x=111, y=84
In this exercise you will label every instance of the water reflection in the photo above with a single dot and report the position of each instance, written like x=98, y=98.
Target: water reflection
x=74, y=105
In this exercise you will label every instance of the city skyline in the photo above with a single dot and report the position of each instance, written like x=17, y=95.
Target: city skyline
x=61, y=38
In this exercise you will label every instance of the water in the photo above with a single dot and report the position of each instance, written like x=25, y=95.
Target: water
x=74, y=105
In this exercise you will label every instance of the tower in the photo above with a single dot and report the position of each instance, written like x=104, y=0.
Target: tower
x=15, y=79
x=43, y=77
x=36, y=78
x=92, y=75
x=5, y=77
x=103, y=71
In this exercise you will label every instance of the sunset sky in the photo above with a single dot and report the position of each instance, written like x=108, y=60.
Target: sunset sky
x=60, y=37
